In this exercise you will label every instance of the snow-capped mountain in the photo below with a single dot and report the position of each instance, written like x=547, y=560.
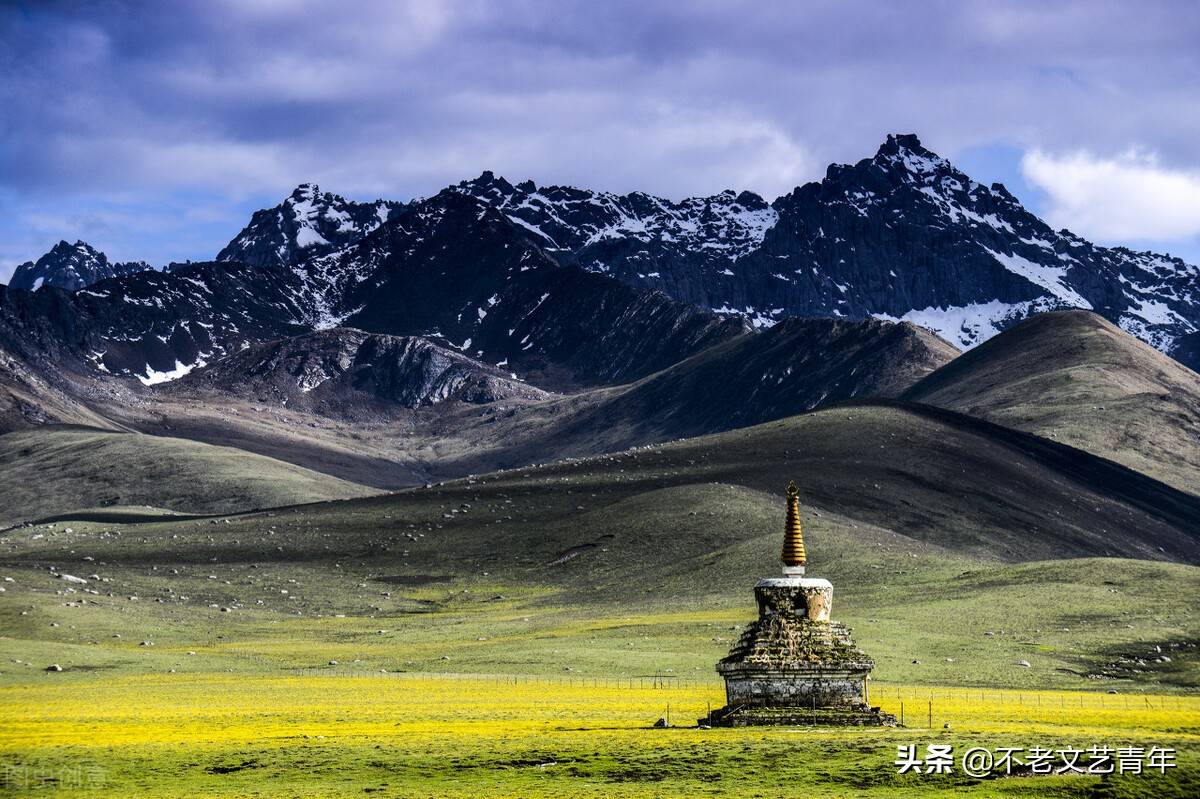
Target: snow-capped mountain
x=451, y=269
x=559, y=284
x=638, y=238
x=902, y=235
x=905, y=234
x=70, y=267
x=566, y=219
x=307, y=224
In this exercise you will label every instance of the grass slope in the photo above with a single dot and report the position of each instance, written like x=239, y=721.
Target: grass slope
x=301, y=589
x=788, y=369
x=974, y=487
x=1077, y=378
x=48, y=471
x=256, y=644
x=629, y=565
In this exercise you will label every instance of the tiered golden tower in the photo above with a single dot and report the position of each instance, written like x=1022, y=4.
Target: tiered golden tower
x=793, y=556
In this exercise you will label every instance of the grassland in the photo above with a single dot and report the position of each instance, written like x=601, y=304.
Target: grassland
x=56, y=471
x=551, y=571
x=201, y=651
x=341, y=685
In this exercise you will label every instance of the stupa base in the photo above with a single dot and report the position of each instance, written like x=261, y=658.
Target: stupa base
x=848, y=716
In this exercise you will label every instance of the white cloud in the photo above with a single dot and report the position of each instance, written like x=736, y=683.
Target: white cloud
x=1129, y=197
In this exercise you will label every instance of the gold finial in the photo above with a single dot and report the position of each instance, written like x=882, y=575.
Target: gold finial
x=793, y=537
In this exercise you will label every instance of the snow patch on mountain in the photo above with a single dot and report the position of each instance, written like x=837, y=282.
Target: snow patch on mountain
x=1050, y=278
x=154, y=378
x=964, y=326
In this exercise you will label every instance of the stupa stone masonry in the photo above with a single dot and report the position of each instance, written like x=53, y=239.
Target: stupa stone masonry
x=794, y=665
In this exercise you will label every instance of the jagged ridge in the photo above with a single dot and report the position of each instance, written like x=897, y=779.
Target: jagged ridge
x=71, y=267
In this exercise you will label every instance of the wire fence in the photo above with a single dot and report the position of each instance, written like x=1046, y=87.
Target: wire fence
x=889, y=694
x=666, y=682
x=1049, y=699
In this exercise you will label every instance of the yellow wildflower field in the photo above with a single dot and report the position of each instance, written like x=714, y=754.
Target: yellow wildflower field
x=205, y=734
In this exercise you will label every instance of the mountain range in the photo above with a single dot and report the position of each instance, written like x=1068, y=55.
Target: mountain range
x=492, y=326
x=902, y=235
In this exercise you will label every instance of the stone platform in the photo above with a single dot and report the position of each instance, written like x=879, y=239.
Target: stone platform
x=798, y=717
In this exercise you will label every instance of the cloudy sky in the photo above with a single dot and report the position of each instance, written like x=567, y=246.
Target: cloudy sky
x=152, y=130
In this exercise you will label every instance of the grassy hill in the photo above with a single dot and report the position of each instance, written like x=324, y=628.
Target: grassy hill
x=666, y=593
x=1076, y=378
x=934, y=475
x=756, y=377
x=643, y=561
x=52, y=471
x=791, y=368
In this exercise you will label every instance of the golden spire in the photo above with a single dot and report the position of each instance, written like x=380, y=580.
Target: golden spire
x=793, y=556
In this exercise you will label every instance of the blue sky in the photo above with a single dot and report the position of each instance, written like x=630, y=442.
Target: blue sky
x=153, y=130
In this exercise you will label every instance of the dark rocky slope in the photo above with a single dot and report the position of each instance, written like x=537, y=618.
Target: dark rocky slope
x=903, y=234
x=347, y=374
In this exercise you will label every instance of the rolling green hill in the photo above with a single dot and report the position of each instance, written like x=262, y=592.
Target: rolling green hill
x=583, y=568
x=977, y=488
x=54, y=471
x=1076, y=378
x=793, y=367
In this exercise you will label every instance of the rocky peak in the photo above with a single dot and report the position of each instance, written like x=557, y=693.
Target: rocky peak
x=904, y=157
x=905, y=144
x=306, y=224
x=70, y=267
x=80, y=249
x=487, y=185
x=307, y=192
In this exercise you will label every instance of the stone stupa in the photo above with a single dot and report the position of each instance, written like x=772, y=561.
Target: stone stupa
x=793, y=665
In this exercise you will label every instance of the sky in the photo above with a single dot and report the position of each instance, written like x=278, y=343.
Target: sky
x=153, y=130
